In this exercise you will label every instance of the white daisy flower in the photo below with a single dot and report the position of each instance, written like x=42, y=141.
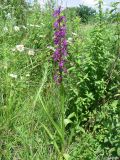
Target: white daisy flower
x=16, y=28
x=20, y=48
x=31, y=52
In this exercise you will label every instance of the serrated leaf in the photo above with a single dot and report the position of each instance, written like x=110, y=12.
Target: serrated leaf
x=75, y=91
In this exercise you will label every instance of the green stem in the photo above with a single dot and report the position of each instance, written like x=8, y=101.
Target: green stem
x=62, y=96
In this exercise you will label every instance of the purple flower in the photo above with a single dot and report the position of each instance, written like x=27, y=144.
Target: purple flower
x=60, y=42
x=61, y=19
x=60, y=34
x=56, y=55
x=64, y=44
x=56, y=41
x=57, y=12
x=61, y=64
x=56, y=24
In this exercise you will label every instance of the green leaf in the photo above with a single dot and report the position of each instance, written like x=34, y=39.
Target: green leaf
x=118, y=152
x=75, y=90
x=71, y=115
x=67, y=121
x=70, y=69
x=114, y=103
x=52, y=138
x=80, y=129
x=66, y=156
x=112, y=150
x=51, y=119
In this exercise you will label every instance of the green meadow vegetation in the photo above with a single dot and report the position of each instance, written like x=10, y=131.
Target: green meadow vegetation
x=78, y=119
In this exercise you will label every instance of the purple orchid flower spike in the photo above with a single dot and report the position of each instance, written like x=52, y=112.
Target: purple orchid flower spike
x=60, y=42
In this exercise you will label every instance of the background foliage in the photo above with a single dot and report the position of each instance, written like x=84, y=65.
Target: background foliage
x=92, y=84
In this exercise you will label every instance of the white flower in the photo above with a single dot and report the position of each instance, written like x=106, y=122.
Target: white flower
x=8, y=16
x=20, y=48
x=31, y=52
x=51, y=48
x=13, y=75
x=5, y=29
x=16, y=28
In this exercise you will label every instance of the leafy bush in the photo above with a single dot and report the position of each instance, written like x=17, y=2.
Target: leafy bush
x=86, y=13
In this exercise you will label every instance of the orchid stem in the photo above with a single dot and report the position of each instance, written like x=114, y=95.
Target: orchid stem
x=62, y=116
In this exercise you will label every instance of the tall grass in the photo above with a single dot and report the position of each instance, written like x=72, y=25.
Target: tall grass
x=40, y=120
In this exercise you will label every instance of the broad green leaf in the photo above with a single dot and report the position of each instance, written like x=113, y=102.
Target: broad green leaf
x=67, y=121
